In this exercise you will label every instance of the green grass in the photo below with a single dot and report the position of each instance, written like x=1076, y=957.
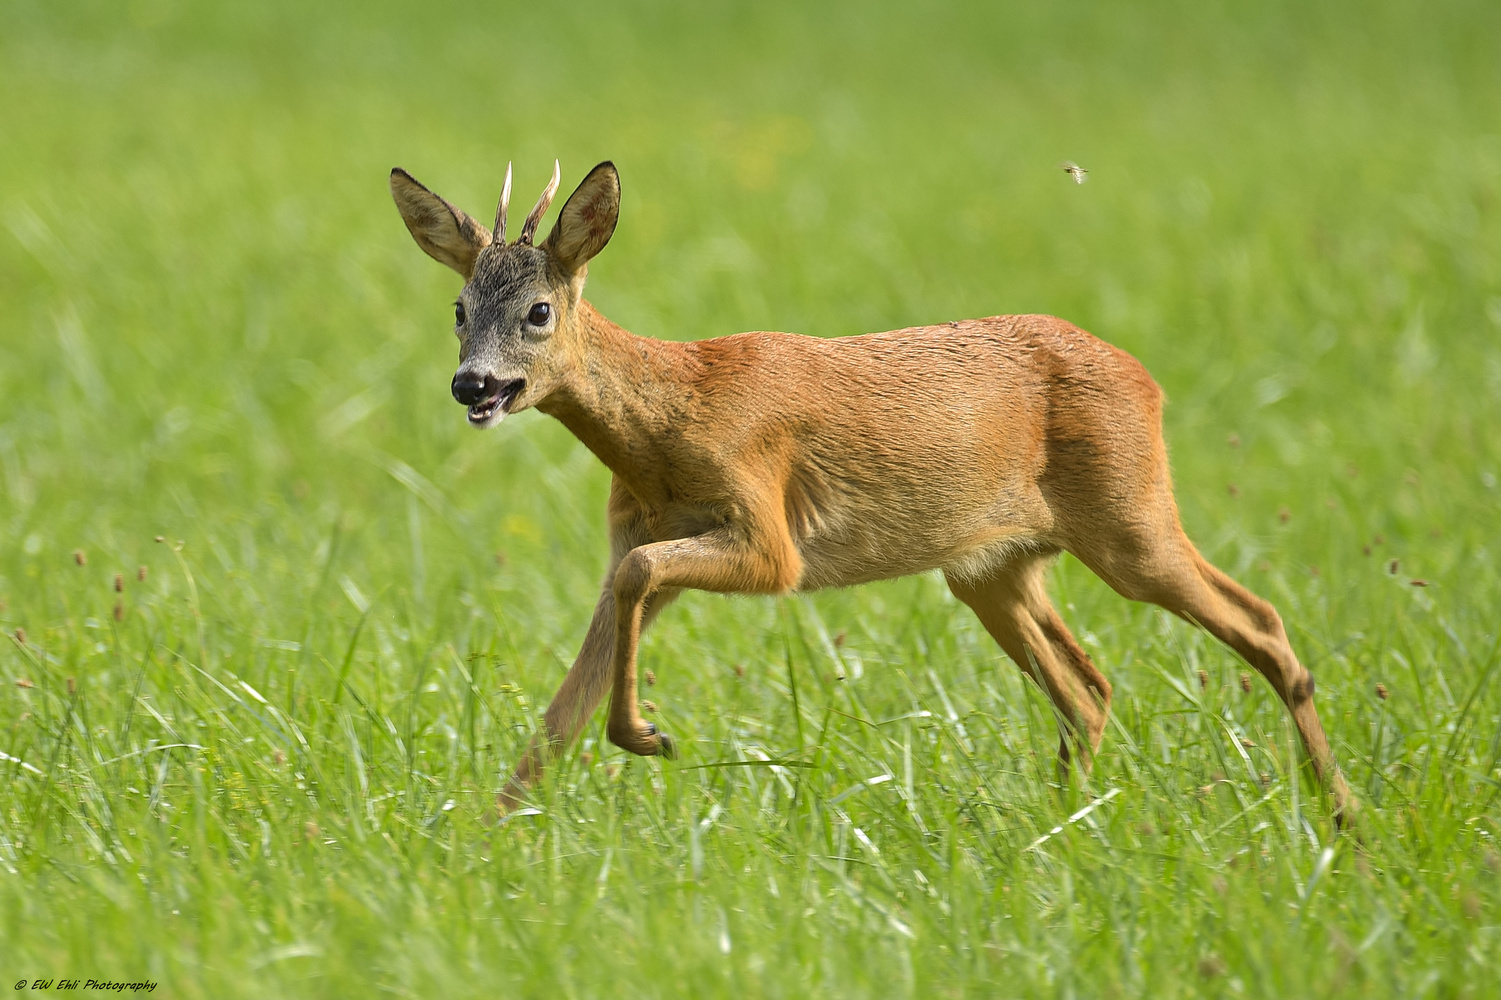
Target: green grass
x=269, y=776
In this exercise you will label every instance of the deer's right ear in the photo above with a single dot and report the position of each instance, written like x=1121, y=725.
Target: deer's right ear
x=588, y=219
x=443, y=231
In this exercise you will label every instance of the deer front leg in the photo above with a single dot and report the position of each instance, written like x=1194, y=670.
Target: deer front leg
x=723, y=560
x=580, y=693
x=589, y=677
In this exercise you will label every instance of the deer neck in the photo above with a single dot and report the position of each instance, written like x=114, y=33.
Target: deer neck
x=624, y=399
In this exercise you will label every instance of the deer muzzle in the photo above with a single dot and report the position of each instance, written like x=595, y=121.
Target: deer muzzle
x=488, y=398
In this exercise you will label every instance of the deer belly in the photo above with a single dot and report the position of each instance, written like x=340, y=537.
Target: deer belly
x=870, y=542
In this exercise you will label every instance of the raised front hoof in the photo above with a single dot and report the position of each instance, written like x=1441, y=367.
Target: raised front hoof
x=643, y=740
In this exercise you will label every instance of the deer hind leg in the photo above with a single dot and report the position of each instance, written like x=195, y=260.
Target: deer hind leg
x=1012, y=603
x=1170, y=572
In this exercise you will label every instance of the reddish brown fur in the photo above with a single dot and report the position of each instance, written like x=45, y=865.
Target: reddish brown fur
x=766, y=463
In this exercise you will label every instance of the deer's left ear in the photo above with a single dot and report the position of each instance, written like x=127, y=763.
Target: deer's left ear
x=588, y=219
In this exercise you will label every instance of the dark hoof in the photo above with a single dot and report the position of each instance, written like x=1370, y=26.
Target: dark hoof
x=666, y=747
x=643, y=742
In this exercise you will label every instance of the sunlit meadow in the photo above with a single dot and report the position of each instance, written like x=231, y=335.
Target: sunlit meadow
x=277, y=623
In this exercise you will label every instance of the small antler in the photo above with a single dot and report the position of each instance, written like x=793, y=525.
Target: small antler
x=500, y=210
x=529, y=227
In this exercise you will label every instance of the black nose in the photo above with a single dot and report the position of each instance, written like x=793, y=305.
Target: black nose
x=469, y=388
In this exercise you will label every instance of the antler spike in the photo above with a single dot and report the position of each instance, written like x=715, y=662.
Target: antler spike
x=500, y=210
x=529, y=227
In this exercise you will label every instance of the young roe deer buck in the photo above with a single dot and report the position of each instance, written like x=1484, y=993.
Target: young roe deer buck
x=765, y=463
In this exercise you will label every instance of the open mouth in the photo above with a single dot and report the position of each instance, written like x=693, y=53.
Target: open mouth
x=498, y=402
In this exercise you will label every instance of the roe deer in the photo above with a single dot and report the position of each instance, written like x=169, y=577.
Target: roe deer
x=765, y=463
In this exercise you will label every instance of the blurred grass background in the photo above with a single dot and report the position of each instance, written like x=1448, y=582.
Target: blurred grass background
x=268, y=776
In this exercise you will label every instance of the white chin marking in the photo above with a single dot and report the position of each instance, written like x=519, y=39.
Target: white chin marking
x=480, y=422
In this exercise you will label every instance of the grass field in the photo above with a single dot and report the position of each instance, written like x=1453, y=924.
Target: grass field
x=253, y=758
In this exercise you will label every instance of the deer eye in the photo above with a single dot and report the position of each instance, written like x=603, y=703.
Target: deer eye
x=458, y=313
x=540, y=314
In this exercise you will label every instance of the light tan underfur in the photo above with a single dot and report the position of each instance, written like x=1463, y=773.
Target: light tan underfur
x=765, y=463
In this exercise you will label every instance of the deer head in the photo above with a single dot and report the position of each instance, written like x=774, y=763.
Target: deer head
x=516, y=316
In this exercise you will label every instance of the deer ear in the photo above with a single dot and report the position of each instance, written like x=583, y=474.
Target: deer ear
x=588, y=219
x=446, y=234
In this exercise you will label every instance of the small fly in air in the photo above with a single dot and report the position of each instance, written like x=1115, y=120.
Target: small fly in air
x=1078, y=173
